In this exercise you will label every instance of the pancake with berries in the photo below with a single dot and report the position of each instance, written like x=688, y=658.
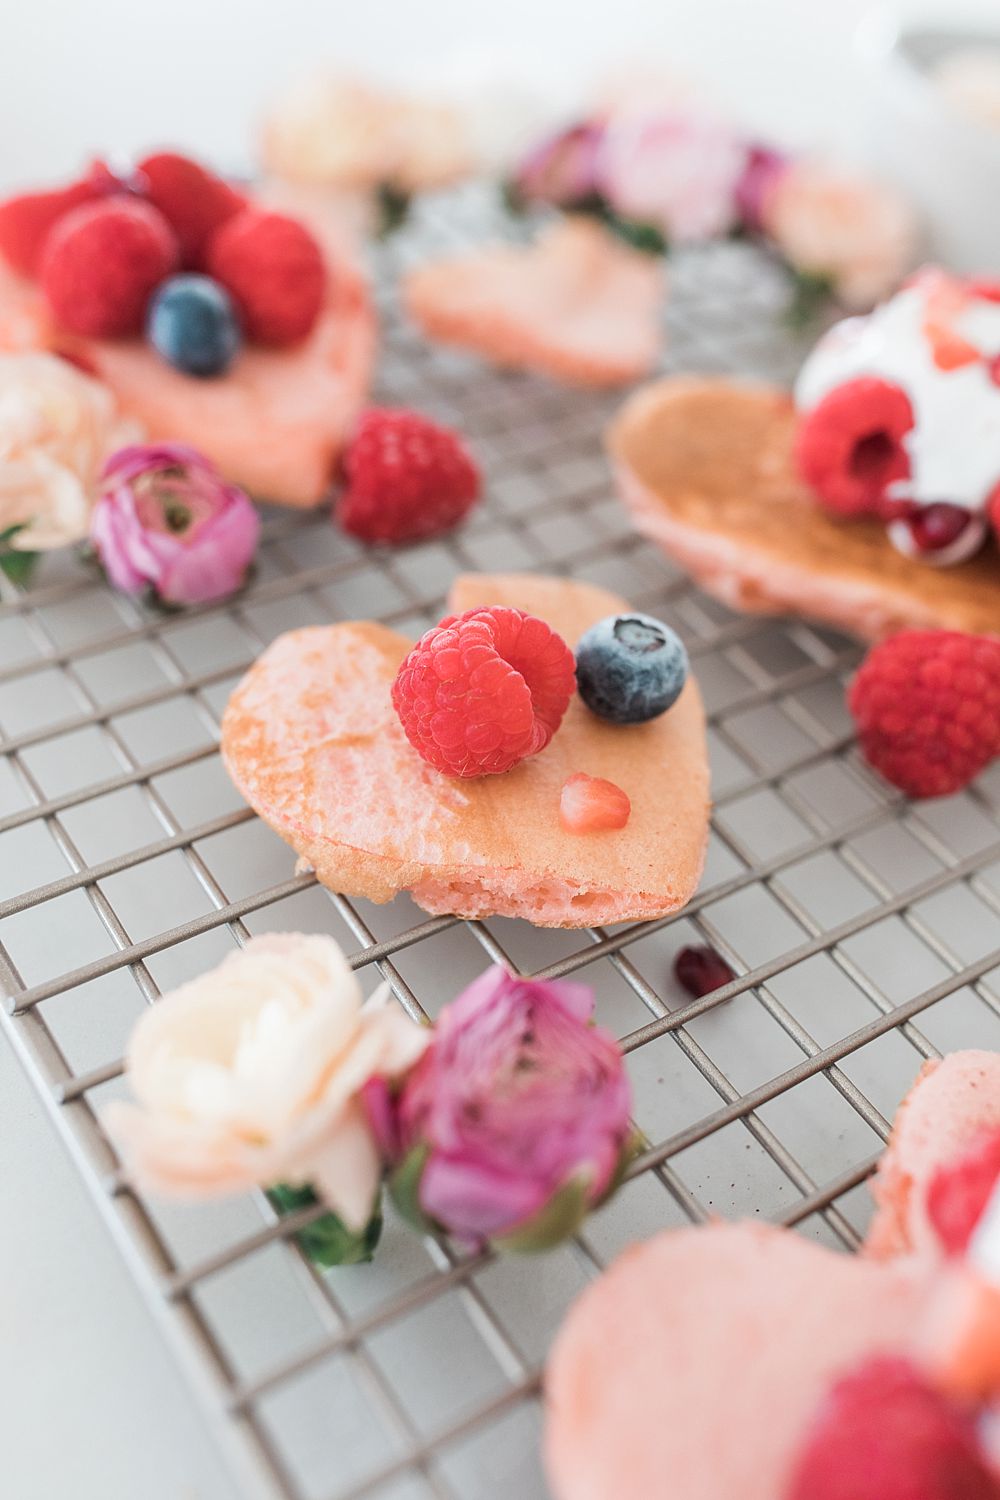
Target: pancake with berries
x=483, y=768
x=942, y=1161
x=869, y=501
x=217, y=319
x=742, y=1360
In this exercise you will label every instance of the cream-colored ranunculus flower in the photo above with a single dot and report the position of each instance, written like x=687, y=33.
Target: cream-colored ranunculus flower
x=251, y=1075
x=829, y=223
x=57, y=427
x=346, y=133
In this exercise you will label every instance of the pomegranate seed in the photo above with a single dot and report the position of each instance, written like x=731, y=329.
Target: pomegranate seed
x=937, y=526
x=993, y=369
x=589, y=804
x=701, y=970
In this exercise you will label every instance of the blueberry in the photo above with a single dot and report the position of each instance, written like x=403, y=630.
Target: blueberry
x=192, y=323
x=630, y=668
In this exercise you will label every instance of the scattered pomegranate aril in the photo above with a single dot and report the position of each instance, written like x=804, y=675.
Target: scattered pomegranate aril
x=700, y=970
x=937, y=526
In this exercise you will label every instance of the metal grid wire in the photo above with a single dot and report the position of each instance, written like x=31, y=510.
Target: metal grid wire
x=865, y=931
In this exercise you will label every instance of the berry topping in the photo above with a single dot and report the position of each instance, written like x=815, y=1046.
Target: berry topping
x=483, y=690
x=25, y=221
x=700, y=970
x=630, y=668
x=940, y=534
x=274, y=270
x=192, y=323
x=927, y=708
x=101, y=264
x=193, y=200
x=407, y=478
x=589, y=804
x=849, y=447
x=885, y=1433
x=959, y=1192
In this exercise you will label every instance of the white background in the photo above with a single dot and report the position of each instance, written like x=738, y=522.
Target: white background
x=82, y=75
x=89, y=1405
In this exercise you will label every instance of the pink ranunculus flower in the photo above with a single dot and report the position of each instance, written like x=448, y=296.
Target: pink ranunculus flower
x=677, y=171
x=827, y=223
x=251, y=1076
x=516, y=1119
x=167, y=520
x=57, y=427
x=562, y=169
x=763, y=168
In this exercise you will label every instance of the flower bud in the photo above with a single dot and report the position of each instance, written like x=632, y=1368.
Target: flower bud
x=514, y=1123
x=166, y=520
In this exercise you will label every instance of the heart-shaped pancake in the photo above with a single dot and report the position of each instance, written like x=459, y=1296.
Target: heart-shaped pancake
x=577, y=304
x=705, y=466
x=311, y=739
x=277, y=420
x=695, y=1366
x=953, y=1103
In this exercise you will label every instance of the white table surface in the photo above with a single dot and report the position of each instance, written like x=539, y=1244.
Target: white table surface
x=91, y=1404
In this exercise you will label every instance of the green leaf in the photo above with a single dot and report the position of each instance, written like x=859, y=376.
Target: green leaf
x=629, y=1152
x=561, y=1217
x=393, y=207
x=510, y=197
x=810, y=294
x=404, y=1188
x=19, y=566
x=327, y=1241
x=644, y=237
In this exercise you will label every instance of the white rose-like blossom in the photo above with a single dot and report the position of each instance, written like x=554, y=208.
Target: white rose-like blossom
x=57, y=427
x=251, y=1074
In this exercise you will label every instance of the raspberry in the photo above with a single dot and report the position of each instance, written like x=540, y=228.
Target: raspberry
x=483, y=690
x=849, y=447
x=959, y=1192
x=25, y=221
x=101, y=264
x=407, y=479
x=589, y=804
x=927, y=708
x=193, y=200
x=885, y=1433
x=273, y=269
x=700, y=970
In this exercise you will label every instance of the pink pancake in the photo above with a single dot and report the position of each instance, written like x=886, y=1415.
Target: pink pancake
x=952, y=1103
x=312, y=741
x=693, y=1368
x=276, y=422
x=577, y=304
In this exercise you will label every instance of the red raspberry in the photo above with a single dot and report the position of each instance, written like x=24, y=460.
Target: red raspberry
x=25, y=221
x=849, y=447
x=102, y=262
x=885, y=1433
x=193, y=200
x=483, y=690
x=959, y=1192
x=927, y=707
x=274, y=270
x=407, y=478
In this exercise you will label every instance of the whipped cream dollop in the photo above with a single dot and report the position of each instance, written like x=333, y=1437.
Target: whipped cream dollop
x=954, y=444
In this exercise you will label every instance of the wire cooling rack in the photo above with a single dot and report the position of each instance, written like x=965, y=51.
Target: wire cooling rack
x=865, y=931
